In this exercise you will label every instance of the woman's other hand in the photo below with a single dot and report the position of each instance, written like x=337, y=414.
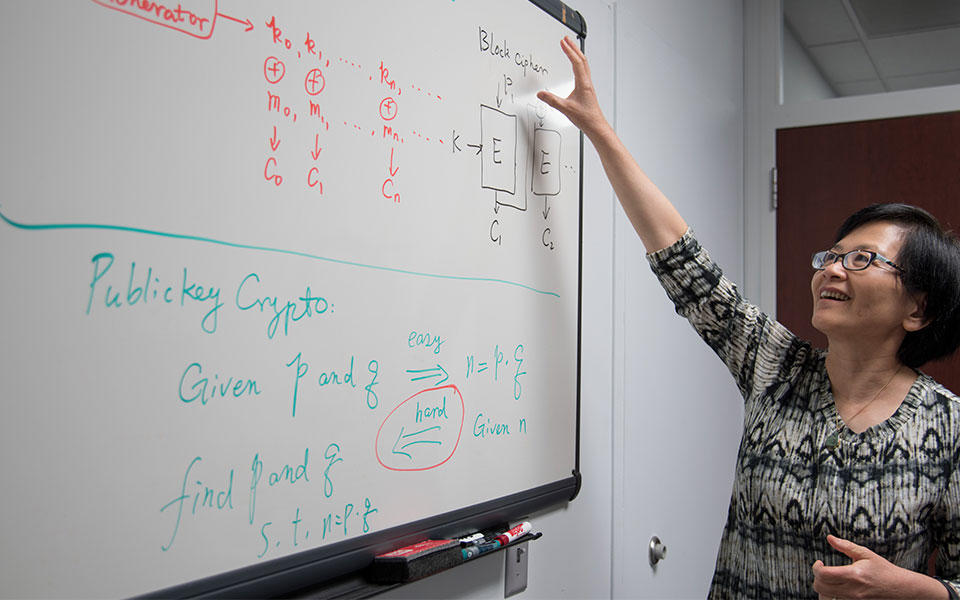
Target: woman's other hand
x=871, y=576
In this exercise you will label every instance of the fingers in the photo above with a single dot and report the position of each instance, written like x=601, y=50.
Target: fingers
x=829, y=576
x=581, y=68
x=852, y=550
x=581, y=107
x=550, y=99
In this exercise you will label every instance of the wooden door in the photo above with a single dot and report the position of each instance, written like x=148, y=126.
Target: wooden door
x=826, y=172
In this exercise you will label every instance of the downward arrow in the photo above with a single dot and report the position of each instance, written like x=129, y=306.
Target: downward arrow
x=316, y=147
x=274, y=141
x=546, y=206
x=393, y=172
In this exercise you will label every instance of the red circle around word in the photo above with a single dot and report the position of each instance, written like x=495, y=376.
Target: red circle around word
x=463, y=414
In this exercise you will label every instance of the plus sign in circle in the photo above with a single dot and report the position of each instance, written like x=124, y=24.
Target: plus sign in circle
x=314, y=82
x=388, y=109
x=274, y=69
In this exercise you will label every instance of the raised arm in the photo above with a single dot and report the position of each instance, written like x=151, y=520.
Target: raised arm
x=654, y=218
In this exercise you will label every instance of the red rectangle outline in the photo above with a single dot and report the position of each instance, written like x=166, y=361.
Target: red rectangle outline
x=213, y=21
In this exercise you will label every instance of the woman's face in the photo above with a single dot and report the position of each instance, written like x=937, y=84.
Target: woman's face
x=871, y=304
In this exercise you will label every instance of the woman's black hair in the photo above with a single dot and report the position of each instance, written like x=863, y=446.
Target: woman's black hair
x=930, y=259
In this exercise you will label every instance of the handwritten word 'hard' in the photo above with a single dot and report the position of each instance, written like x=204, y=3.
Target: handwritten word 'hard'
x=432, y=412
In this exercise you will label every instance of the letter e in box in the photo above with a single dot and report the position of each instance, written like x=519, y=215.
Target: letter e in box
x=546, y=162
x=498, y=136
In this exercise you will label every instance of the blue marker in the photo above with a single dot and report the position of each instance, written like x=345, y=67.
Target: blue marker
x=478, y=549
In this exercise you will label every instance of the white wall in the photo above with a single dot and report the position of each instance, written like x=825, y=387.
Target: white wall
x=680, y=111
x=661, y=416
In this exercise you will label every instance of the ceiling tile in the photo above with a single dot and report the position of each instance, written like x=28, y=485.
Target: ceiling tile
x=912, y=82
x=859, y=88
x=891, y=17
x=929, y=52
x=818, y=21
x=843, y=62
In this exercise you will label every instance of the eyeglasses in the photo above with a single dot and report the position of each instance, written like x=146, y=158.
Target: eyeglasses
x=855, y=260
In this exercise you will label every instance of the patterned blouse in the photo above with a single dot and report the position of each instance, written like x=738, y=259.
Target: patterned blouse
x=895, y=488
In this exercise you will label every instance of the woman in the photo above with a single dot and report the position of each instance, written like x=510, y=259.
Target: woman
x=847, y=477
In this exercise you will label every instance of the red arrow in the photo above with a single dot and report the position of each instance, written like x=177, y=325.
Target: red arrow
x=274, y=141
x=249, y=25
x=393, y=171
x=316, y=147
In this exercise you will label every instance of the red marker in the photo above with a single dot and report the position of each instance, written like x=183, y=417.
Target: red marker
x=508, y=536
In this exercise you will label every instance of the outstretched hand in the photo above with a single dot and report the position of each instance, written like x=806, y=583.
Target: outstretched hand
x=870, y=576
x=581, y=106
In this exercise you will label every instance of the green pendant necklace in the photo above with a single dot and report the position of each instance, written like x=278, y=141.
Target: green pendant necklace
x=833, y=440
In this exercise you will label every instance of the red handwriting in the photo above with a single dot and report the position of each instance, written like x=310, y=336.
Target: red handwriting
x=423, y=91
x=388, y=109
x=347, y=61
x=313, y=179
x=277, y=34
x=314, y=82
x=312, y=46
x=387, y=190
x=270, y=174
x=274, y=141
x=274, y=69
x=179, y=18
x=393, y=172
x=315, y=112
x=273, y=105
x=246, y=22
x=316, y=78
x=421, y=136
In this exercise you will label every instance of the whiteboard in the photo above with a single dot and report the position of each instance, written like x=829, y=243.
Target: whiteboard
x=280, y=280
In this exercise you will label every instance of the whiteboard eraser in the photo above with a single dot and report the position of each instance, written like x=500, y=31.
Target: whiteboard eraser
x=415, y=561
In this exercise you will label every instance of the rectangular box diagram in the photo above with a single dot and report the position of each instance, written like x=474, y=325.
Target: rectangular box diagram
x=498, y=137
x=546, y=162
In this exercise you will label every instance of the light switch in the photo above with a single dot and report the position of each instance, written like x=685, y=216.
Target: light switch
x=515, y=575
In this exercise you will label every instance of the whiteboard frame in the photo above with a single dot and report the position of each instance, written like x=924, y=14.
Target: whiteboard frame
x=316, y=568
